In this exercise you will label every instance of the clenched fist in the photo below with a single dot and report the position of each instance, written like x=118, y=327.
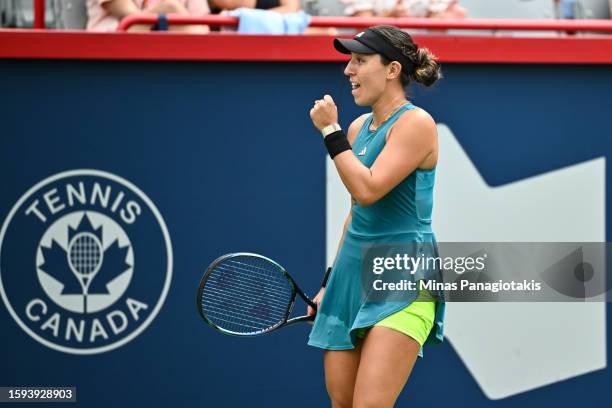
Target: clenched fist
x=324, y=112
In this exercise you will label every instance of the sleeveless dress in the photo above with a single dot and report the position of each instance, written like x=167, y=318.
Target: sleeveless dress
x=401, y=217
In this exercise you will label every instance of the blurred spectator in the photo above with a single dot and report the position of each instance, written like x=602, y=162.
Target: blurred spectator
x=256, y=21
x=404, y=8
x=566, y=8
x=269, y=17
x=579, y=9
x=280, y=6
x=104, y=15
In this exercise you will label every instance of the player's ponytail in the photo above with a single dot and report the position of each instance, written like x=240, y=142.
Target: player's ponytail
x=426, y=69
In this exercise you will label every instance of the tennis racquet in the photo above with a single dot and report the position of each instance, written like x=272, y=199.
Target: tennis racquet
x=245, y=294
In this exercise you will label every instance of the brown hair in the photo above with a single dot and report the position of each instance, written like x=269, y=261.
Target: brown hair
x=426, y=69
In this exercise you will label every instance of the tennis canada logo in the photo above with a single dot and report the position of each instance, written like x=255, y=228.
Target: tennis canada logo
x=85, y=262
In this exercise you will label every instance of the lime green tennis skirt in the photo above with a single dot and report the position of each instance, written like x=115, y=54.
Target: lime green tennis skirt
x=415, y=320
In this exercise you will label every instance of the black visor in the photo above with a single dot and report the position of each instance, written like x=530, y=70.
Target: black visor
x=370, y=42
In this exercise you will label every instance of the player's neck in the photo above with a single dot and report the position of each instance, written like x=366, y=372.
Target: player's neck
x=383, y=109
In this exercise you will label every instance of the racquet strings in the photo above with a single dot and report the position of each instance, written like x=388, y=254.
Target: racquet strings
x=246, y=295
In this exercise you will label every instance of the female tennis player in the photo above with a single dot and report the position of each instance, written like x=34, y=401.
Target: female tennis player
x=387, y=162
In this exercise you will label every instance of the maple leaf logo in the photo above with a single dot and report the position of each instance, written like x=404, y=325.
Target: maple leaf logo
x=85, y=267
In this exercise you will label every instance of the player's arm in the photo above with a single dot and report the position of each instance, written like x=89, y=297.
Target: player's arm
x=411, y=140
x=319, y=296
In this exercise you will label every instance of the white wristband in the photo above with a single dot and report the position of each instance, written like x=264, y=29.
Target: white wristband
x=330, y=129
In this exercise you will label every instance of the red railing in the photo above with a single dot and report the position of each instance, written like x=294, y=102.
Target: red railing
x=424, y=23
x=39, y=13
x=604, y=26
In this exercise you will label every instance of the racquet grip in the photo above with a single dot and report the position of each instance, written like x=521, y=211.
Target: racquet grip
x=326, y=277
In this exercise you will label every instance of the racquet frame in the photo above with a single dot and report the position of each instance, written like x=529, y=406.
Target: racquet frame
x=295, y=289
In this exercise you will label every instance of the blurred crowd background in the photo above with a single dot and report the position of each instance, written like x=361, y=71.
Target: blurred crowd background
x=105, y=15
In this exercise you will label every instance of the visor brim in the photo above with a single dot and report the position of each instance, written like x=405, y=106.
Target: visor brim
x=347, y=46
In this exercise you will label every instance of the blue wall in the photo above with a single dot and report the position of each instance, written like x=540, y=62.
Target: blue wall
x=228, y=154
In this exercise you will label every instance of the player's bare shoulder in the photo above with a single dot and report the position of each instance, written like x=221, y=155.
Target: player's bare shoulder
x=415, y=123
x=417, y=117
x=355, y=126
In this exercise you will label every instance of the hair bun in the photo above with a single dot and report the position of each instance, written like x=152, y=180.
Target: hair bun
x=426, y=70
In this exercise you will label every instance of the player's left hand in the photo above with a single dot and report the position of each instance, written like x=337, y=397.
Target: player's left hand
x=317, y=301
x=324, y=112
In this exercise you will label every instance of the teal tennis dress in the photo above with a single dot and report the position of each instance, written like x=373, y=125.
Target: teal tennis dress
x=401, y=219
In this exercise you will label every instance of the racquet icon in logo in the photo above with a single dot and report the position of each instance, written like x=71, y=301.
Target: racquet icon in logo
x=85, y=256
